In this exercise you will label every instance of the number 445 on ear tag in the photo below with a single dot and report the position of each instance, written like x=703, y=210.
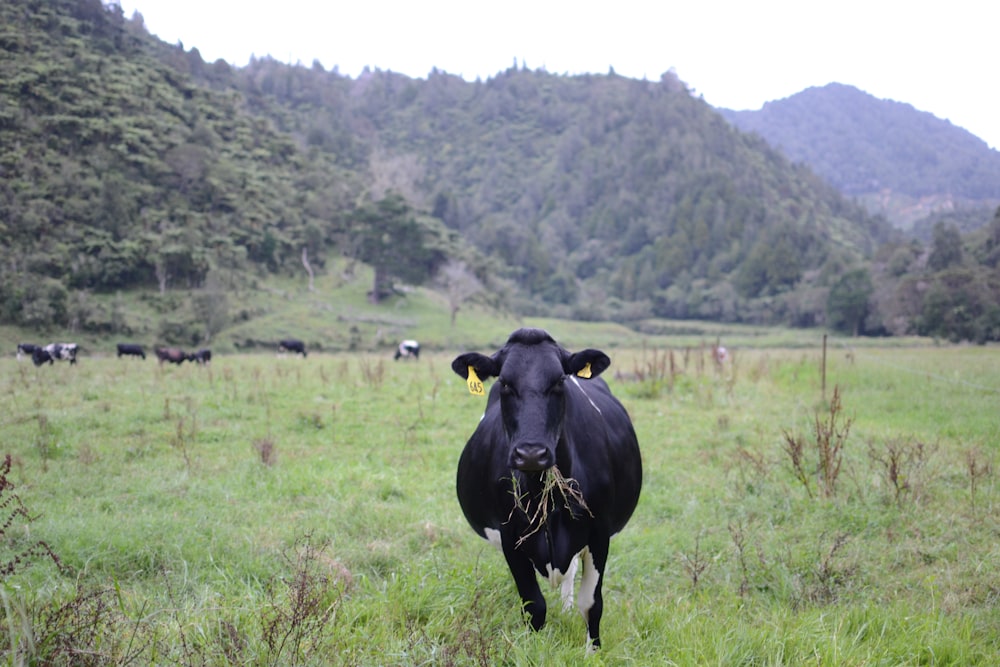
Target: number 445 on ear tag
x=475, y=384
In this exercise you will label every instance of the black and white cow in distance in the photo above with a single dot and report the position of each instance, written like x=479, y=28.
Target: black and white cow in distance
x=55, y=352
x=172, y=355
x=292, y=345
x=408, y=349
x=202, y=356
x=25, y=349
x=131, y=350
x=549, y=410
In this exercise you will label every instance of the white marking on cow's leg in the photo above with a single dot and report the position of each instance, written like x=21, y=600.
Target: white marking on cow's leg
x=580, y=387
x=588, y=584
x=567, y=584
x=493, y=537
x=554, y=576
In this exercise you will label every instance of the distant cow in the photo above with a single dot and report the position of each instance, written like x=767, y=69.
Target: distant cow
x=40, y=355
x=131, y=350
x=202, y=356
x=407, y=349
x=173, y=355
x=25, y=349
x=54, y=352
x=292, y=345
x=549, y=422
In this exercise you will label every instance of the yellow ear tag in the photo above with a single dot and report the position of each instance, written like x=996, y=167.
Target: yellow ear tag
x=585, y=371
x=475, y=384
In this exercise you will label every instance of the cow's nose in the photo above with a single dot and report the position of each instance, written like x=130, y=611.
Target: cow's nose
x=531, y=458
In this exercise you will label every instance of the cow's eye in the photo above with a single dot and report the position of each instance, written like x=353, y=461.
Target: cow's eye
x=505, y=387
x=558, y=386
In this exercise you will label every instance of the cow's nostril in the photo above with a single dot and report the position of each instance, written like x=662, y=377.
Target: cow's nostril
x=531, y=458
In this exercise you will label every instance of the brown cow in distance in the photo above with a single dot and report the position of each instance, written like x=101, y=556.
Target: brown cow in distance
x=173, y=355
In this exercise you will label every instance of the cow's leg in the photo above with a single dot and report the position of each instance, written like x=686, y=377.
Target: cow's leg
x=527, y=584
x=590, y=600
x=567, y=584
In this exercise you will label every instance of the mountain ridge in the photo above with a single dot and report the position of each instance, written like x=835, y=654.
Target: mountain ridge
x=901, y=161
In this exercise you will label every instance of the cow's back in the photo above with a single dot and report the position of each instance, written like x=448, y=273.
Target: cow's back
x=604, y=451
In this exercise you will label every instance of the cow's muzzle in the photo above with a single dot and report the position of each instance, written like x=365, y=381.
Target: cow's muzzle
x=531, y=458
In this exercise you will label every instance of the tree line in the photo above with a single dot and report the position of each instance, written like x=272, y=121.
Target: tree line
x=130, y=163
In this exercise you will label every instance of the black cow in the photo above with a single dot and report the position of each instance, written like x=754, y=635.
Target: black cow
x=202, y=356
x=547, y=412
x=25, y=349
x=292, y=345
x=131, y=350
x=407, y=349
x=40, y=355
x=173, y=355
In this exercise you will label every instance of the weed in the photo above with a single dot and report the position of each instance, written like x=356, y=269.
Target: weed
x=829, y=578
x=652, y=372
x=753, y=467
x=738, y=535
x=44, y=440
x=373, y=373
x=310, y=420
x=180, y=440
x=830, y=436
x=695, y=564
x=90, y=628
x=301, y=605
x=903, y=462
x=86, y=455
x=477, y=643
x=12, y=509
x=978, y=470
x=265, y=449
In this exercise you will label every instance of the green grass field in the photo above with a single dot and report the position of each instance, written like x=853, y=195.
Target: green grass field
x=277, y=511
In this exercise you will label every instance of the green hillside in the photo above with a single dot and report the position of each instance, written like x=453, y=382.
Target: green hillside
x=149, y=194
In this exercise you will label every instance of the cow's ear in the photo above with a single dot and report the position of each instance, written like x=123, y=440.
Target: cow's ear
x=587, y=363
x=484, y=366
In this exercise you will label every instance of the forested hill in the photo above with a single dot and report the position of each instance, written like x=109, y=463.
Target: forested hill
x=131, y=163
x=121, y=171
x=867, y=146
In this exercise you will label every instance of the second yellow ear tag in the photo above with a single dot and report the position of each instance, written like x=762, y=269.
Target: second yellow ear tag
x=585, y=371
x=475, y=384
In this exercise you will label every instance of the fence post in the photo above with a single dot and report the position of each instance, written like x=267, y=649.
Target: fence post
x=823, y=372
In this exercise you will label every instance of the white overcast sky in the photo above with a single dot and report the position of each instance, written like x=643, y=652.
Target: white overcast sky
x=940, y=57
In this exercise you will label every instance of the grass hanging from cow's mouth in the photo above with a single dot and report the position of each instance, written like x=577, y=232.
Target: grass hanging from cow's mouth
x=552, y=481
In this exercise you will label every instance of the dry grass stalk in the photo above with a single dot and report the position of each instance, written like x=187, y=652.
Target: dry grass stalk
x=552, y=481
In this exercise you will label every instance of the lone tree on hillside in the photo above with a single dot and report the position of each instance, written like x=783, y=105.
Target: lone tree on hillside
x=459, y=283
x=397, y=243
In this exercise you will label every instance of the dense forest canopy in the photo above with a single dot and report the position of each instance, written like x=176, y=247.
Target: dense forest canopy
x=132, y=164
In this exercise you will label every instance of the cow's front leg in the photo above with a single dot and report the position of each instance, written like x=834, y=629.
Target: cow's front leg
x=591, y=601
x=527, y=585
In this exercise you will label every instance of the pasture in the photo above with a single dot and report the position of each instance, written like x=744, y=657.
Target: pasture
x=277, y=511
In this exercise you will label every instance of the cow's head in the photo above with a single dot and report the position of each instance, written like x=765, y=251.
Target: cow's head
x=531, y=371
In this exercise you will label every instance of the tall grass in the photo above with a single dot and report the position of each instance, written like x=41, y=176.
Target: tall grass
x=286, y=511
